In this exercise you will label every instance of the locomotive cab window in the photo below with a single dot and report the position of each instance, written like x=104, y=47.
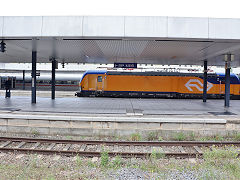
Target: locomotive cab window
x=99, y=78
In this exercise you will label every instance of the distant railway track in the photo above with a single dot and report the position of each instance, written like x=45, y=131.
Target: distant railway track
x=87, y=148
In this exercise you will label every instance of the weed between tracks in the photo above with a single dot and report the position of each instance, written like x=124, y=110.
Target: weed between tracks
x=135, y=137
x=151, y=136
x=225, y=159
x=220, y=163
x=156, y=155
x=104, y=158
x=179, y=136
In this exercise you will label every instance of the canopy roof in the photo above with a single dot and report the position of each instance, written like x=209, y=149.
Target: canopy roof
x=98, y=39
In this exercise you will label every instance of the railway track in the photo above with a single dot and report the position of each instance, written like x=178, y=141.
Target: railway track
x=140, y=149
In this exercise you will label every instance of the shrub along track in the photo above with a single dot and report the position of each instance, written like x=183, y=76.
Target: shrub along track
x=91, y=148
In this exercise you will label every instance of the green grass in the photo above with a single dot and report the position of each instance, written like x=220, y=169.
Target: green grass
x=104, y=158
x=192, y=136
x=156, y=154
x=34, y=132
x=135, y=137
x=236, y=137
x=78, y=161
x=218, y=163
x=69, y=138
x=179, y=136
x=212, y=138
x=51, y=177
x=224, y=159
x=91, y=164
x=28, y=171
x=218, y=138
x=219, y=153
x=117, y=162
x=152, y=136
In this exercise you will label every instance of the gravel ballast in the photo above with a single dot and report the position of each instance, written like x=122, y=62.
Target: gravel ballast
x=29, y=166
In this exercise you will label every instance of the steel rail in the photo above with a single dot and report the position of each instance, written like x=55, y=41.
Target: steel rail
x=136, y=143
x=98, y=154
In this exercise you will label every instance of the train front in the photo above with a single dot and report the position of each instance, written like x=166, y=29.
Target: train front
x=79, y=92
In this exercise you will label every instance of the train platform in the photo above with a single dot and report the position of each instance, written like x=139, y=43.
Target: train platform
x=67, y=103
x=122, y=116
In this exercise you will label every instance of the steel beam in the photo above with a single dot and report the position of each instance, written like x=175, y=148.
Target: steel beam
x=205, y=82
x=53, y=77
x=227, y=81
x=34, y=69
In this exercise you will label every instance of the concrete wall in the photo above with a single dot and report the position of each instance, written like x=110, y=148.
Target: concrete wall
x=43, y=125
x=119, y=26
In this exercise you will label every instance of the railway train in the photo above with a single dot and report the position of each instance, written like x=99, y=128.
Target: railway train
x=65, y=81
x=155, y=84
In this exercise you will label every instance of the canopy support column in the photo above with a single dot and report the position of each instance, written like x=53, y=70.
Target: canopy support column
x=53, y=77
x=227, y=80
x=205, y=82
x=23, y=79
x=34, y=69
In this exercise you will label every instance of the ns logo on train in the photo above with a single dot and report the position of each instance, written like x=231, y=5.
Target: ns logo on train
x=197, y=84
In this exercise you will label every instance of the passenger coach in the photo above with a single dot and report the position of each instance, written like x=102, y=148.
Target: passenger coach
x=155, y=84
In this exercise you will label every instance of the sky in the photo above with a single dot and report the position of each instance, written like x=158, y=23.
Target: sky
x=179, y=8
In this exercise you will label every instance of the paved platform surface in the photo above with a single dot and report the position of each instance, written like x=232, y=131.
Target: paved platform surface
x=40, y=93
x=128, y=106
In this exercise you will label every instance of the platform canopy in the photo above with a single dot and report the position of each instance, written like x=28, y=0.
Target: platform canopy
x=109, y=39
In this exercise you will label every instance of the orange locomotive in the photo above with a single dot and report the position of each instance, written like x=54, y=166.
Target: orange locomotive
x=155, y=84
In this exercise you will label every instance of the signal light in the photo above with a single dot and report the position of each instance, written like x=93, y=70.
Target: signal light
x=2, y=47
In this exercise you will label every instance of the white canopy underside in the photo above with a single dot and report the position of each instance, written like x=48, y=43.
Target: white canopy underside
x=155, y=40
